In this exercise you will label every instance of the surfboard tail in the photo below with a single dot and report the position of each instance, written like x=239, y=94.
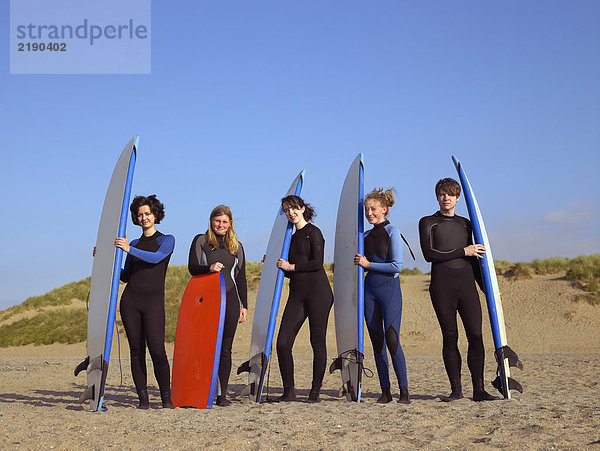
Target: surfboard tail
x=350, y=364
x=506, y=358
x=94, y=392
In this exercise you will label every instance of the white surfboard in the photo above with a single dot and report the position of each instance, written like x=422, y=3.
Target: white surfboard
x=267, y=299
x=106, y=273
x=348, y=282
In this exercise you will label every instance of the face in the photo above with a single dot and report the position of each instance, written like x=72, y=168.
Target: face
x=293, y=214
x=374, y=212
x=145, y=217
x=221, y=224
x=447, y=201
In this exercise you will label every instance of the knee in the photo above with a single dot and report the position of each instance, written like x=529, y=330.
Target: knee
x=377, y=340
x=391, y=338
x=450, y=337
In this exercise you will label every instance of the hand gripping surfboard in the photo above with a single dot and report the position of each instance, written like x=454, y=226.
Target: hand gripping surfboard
x=505, y=356
x=267, y=300
x=348, y=283
x=106, y=273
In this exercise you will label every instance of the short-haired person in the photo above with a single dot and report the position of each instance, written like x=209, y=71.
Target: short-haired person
x=310, y=297
x=143, y=301
x=218, y=250
x=446, y=242
x=383, y=297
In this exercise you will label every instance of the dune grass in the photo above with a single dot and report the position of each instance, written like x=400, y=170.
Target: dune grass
x=64, y=325
x=68, y=325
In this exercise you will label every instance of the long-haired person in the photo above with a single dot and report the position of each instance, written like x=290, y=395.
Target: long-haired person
x=383, y=298
x=310, y=297
x=218, y=250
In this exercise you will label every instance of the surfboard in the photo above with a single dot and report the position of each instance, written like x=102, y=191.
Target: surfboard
x=267, y=300
x=106, y=273
x=198, y=342
x=505, y=356
x=348, y=282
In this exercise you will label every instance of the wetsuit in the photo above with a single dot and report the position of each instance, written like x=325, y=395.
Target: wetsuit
x=202, y=255
x=452, y=289
x=383, y=300
x=310, y=297
x=143, y=307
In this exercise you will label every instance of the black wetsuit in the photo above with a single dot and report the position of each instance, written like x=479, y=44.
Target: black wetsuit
x=202, y=255
x=143, y=307
x=310, y=297
x=452, y=289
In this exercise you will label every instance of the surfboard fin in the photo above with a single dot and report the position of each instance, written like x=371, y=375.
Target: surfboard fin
x=335, y=365
x=506, y=353
x=96, y=364
x=82, y=366
x=87, y=394
x=512, y=385
x=244, y=367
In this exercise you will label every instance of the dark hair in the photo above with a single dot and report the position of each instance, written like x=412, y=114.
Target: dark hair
x=156, y=207
x=448, y=186
x=298, y=202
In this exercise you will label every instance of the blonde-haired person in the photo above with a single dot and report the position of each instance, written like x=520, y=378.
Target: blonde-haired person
x=383, y=298
x=218, y=250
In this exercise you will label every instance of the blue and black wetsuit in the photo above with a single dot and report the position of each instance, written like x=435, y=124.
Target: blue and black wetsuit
x=452, y=290
x=202, y=255
x=143, y=307
x=310, y=297
x=383, y=300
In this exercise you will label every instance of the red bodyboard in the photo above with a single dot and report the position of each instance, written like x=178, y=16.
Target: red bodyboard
x=198, y=342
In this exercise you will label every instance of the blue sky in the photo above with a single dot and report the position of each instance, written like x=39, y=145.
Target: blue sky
x=244, y=95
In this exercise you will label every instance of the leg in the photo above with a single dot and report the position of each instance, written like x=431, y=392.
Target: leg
x=154, y=327
x=318, y=307
x=232, y=314
x=445, y=306
x=132, y=321
x=374, y=321
x=293, y=317
x=469, y=309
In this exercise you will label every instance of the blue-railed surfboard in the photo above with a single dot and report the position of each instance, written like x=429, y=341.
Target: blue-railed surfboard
x=348, y=282
x=267, y=300
x=106, y=273
x=505, y=356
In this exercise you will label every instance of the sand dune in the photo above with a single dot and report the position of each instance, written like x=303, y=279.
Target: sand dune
x=558, y=341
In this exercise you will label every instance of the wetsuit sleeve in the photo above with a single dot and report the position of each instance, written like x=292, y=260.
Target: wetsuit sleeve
x=316, y=254
x=197, y=263
x=240, y=277
x=166, y=246
x=433, y=255
x=474, y=261
x=395, y=254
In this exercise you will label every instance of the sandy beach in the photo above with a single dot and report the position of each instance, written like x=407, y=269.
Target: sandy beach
x=557, y=339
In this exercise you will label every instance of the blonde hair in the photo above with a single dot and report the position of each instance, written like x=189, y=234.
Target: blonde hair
x=230, y=239
x=385, y=198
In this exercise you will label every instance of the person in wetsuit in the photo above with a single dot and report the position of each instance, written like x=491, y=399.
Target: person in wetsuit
x=383, y=297
x=218, y=250
x=143, y=301
x=446, y=242
x=310, y=297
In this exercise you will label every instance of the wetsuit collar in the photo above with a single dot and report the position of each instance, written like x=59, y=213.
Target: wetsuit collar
x=381, y=224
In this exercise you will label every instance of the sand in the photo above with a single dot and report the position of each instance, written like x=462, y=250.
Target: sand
x=557, y=340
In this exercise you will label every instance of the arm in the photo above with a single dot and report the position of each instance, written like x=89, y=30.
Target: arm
x=197, y=263
x=126, y=272
x=426, y=238
x=167, y=244
x=395, y=253
x=240, y=278
x=474, y=261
